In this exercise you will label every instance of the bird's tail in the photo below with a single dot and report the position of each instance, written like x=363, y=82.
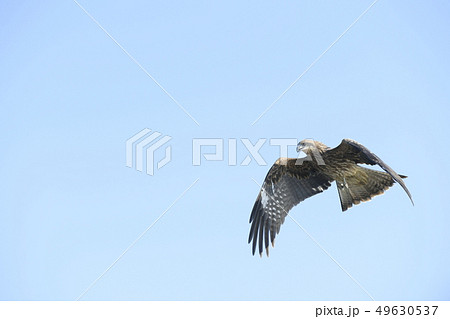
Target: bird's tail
x=362, y=186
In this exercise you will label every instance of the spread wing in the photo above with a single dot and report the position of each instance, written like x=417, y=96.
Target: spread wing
x=358, y=153
x=286, y=185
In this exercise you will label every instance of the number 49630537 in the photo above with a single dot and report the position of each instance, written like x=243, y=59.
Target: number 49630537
x=407, y=310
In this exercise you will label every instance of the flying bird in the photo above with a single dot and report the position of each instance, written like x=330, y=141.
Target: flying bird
x=292, y=180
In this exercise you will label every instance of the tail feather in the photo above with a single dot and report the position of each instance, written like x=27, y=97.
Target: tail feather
x=362, y=186
x=344, y=196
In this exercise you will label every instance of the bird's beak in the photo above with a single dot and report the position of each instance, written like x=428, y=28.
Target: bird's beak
x=299, y=148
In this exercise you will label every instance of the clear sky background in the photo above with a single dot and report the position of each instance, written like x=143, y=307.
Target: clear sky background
x=70, y=98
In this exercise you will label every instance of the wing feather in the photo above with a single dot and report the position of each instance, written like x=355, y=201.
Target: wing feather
x=358, y=153
x=285, y=185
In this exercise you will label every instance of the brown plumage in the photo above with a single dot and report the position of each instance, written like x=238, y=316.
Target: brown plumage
x=291, y=180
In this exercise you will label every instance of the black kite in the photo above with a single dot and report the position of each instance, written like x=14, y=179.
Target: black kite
x=291, y=180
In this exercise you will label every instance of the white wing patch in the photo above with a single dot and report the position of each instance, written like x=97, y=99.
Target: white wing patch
x=320, y=189
x=264, y=198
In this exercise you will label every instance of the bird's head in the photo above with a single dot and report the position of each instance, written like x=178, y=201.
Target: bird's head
x=306, y=146
x=309, y=146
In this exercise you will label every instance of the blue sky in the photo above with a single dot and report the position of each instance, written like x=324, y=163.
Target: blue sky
x=71, y=98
